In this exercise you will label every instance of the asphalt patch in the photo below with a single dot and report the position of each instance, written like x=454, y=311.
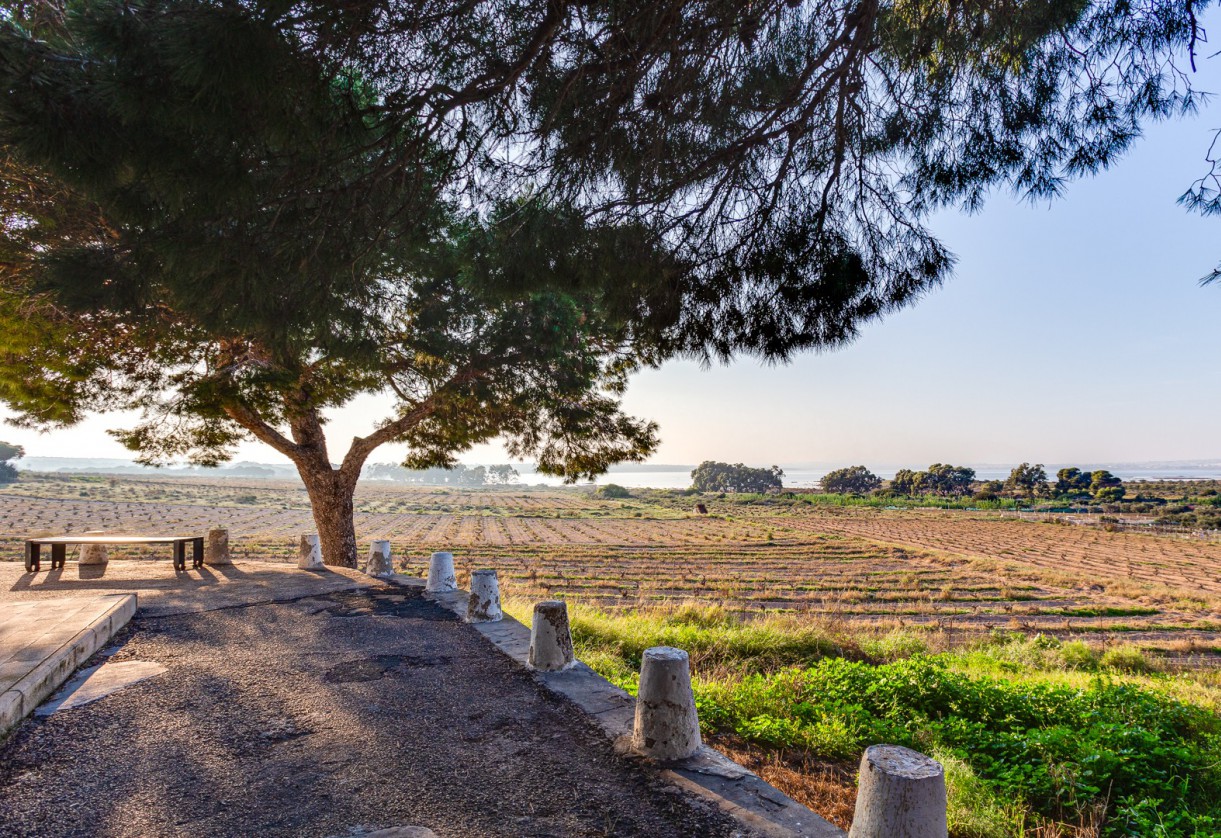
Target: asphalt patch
x=377, y=709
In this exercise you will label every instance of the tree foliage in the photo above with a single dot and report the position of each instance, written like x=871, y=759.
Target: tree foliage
x=853, y=480
x=8, y=451
x=1072, y=481
x=711, y=476
x=905, y=482
x=502, y=475
x=1027, y=480
x=1105, y=486
x=237, y=217
x=946, y=480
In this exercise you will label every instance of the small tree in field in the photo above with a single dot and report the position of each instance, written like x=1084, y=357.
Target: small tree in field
x=947, y=480
x=906, y=482
x=1027, y=480
x=853, y=480
x=711, y=476
x=990, y=490
x=1072, y=481
x=502, y=475
x=1106, y=487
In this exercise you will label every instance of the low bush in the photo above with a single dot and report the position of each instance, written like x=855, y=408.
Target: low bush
x=1038, y=736
x=1057, y=750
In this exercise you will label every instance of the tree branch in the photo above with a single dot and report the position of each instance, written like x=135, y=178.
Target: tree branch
x=251, y=421
x=362, y=447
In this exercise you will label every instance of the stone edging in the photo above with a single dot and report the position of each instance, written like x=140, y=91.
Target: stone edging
x=756, y=804
x=20, y=700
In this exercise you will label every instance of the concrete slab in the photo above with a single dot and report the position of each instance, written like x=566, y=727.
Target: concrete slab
x=163, y=592
x=43, y=642
x=98, y=682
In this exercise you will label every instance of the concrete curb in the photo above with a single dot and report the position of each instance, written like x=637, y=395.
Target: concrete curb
x=20, y=700
x=756, y=804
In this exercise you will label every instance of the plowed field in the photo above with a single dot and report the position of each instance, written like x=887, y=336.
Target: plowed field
x=954, y=571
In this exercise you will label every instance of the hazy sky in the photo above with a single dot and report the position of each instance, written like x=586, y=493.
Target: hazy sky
x=1074, y=331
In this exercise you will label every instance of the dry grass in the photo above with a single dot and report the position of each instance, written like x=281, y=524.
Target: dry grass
x=957, y=572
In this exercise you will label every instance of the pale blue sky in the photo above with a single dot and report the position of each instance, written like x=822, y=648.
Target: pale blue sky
x=1074, y=331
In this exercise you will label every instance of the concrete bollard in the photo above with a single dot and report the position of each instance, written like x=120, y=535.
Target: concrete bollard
x=380, y=563
x=216, y=549
x=441, y=576
x=309, y=554
x=484, y=604
x=550, y=637
x=94, y=553
x=900, y=794
x=666, y=724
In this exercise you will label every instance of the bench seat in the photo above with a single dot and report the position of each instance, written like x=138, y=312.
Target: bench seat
x=59, y=548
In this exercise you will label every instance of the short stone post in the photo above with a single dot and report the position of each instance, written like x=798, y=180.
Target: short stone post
x=900, y=794
x=216, y=549
x=484, y=604
x=309, y=554
x=666, y=725
x=94, y=553
x=441, y=576
x=380, y=563
x=550, y=637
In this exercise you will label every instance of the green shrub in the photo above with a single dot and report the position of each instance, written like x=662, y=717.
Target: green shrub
x=1056, y=749
x=975, y=808
x=614, y=490
x=1126, y=659
x=1078, y=655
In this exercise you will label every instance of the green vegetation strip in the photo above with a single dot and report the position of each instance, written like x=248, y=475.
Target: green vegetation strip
x=1037, y=736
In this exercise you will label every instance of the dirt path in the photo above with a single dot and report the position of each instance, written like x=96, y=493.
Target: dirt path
x=324, y=717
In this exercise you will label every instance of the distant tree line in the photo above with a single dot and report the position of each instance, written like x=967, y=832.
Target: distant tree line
x=459, y=475
x=941, y=479
x=945, y=480
x=711, y=476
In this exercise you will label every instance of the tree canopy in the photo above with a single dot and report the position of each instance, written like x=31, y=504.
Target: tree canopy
x=1027, y=480
x=236, y=217
x=853, y=480
x=8, y=451
x=1072, y=481
x=710, y=476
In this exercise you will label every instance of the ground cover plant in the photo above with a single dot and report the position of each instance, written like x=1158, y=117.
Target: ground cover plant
x=1038, y=736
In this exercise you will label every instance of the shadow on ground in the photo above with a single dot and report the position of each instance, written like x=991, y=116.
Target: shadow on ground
x=324, y=716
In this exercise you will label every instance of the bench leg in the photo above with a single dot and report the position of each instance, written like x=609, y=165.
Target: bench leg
x=197, y=559
x=32, y=562
x=59, y=556
x=180, y=555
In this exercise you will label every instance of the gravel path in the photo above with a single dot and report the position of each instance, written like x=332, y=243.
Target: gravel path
x=329, y=716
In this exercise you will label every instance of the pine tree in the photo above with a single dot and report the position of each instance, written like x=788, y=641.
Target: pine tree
x=237, y=217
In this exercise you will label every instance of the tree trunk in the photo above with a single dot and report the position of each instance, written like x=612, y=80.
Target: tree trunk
x=331, y=501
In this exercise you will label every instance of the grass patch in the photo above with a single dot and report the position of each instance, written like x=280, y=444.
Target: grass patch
x=1037, y=736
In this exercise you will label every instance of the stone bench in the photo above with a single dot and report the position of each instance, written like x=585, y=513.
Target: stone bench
x=59, y=548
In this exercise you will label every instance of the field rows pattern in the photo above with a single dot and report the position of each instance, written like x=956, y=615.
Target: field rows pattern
x=893, y=568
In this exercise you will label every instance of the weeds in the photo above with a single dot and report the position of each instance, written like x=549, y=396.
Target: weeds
x=1038, y=737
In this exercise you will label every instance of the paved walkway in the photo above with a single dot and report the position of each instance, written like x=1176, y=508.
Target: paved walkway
x=324, y=716
x=161, y=590
x=42, y=642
